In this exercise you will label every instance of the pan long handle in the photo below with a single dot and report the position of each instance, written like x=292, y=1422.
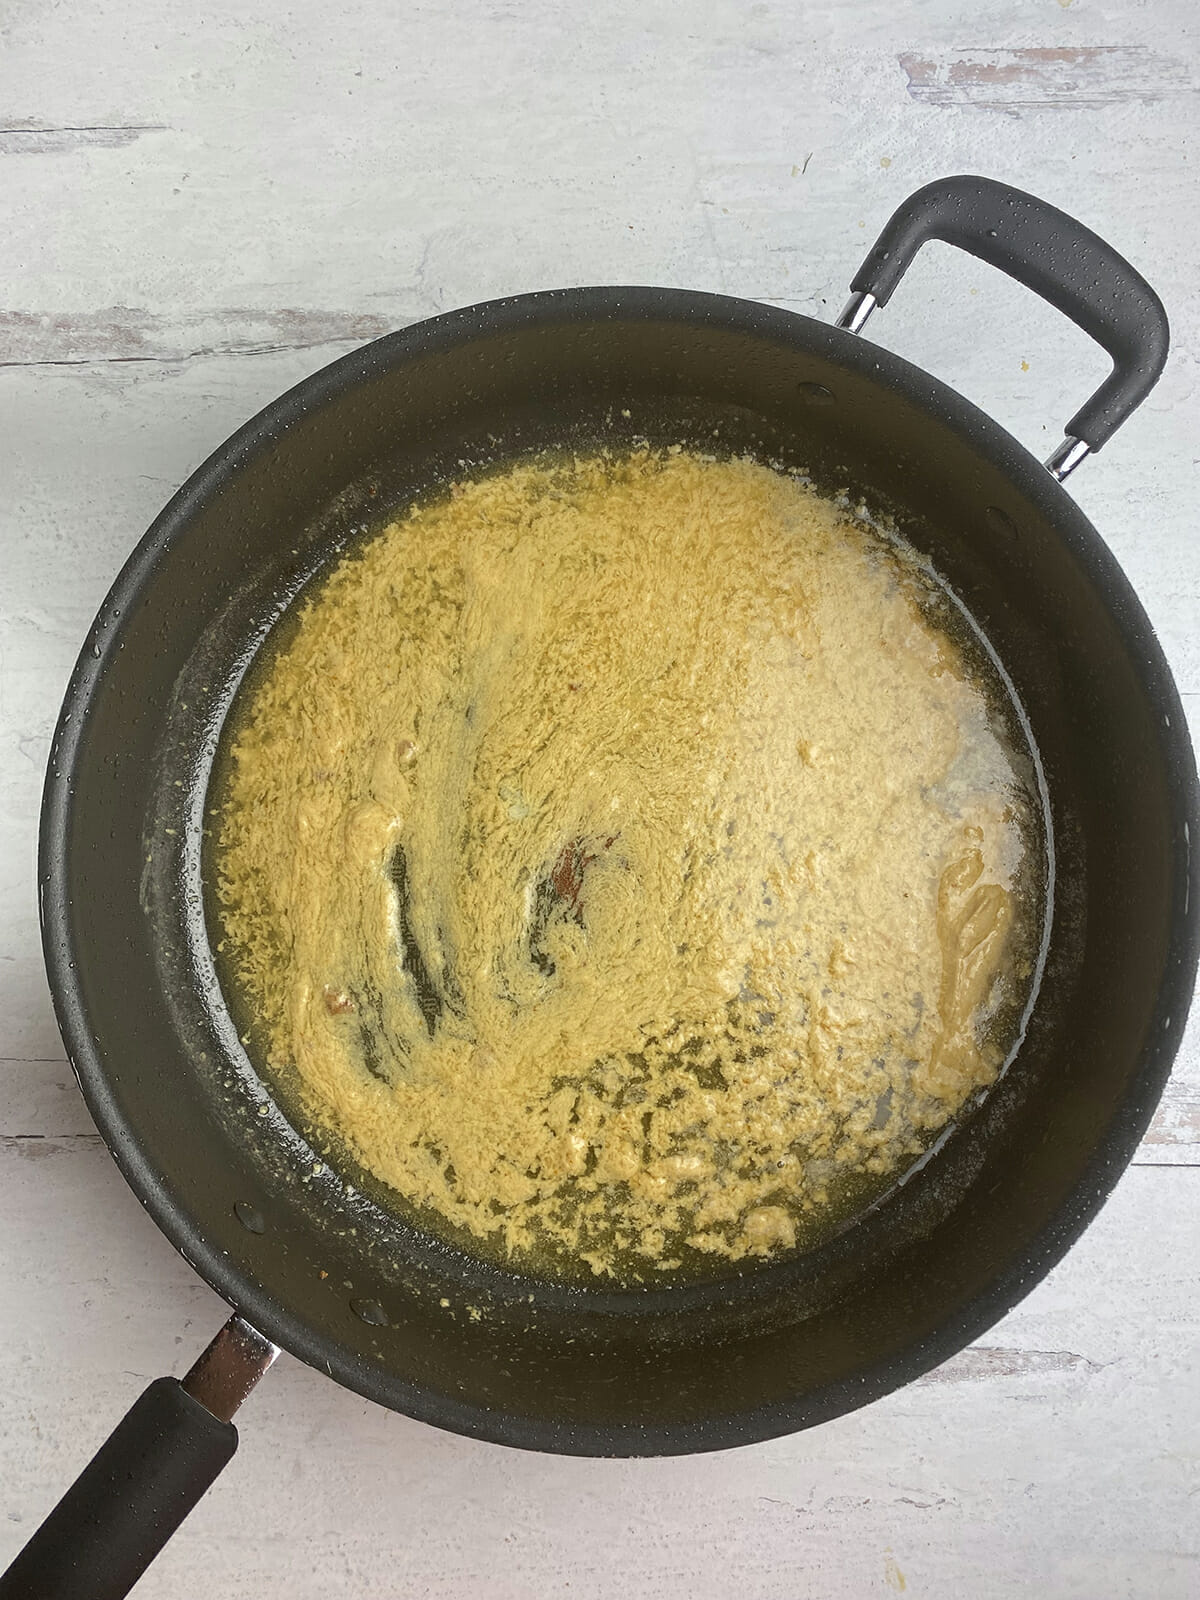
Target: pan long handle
x=144, y=1479
x=1079, y=273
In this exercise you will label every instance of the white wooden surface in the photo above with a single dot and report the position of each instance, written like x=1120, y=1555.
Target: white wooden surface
x=199, y=204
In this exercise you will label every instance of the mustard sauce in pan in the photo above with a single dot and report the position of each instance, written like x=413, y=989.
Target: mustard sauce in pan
x=625, y=861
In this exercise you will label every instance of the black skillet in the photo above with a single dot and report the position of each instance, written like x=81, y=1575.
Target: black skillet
x=310, y=1261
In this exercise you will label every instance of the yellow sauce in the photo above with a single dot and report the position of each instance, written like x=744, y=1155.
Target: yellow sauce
x=617, y=853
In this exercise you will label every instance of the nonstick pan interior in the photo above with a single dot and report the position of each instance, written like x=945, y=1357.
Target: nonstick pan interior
x=315, y=1261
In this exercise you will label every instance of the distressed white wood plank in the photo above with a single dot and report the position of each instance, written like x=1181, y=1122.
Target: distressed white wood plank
x=201, y=205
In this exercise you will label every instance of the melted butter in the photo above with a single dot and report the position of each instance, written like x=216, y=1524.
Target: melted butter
x=623, y=864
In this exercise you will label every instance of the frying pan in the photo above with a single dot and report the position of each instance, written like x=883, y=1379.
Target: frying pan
x=309, y=1255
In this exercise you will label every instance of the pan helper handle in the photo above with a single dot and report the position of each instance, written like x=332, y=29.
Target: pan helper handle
x=147, y=1475
x=1055, y=256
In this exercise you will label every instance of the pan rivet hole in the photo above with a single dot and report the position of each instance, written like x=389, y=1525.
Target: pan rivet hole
x=370, y=1311
x=1000, y=522
x=816, y=392
x=250, y=1217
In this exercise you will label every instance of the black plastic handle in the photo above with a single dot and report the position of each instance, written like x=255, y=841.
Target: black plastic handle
x=1055, y=256
x=127, y=1502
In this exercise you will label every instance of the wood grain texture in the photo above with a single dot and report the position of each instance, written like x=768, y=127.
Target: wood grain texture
x=1043, y=77
x=202, y=205
x=123, y=334
x=39, y=139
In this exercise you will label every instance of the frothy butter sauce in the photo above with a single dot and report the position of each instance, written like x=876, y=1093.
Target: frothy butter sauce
x=624, y=861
